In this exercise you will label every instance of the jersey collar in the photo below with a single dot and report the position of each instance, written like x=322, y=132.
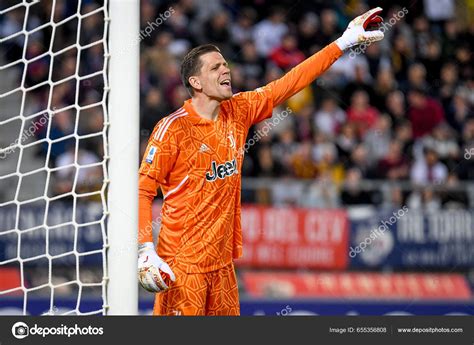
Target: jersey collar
x=193, y=116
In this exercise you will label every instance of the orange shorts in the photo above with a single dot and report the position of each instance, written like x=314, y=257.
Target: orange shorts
x=211, y=293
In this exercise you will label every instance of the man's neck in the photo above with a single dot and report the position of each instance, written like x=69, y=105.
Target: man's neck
x=206, y=108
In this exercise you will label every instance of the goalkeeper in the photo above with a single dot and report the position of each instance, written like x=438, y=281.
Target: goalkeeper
x=195, y=156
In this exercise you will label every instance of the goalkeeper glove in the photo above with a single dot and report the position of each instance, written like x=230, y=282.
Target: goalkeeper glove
x=152, y=269
x=357, y=33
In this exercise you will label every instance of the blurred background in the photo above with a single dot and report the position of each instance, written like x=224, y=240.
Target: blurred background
x=358, y=193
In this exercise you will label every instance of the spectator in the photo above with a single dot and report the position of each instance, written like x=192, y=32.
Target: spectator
x=216, y=31
x=87, y=178
x=153, y=110
x=464, y=62
x=287, y=55
x=352, y=193
x=443, y=142
x=239, y=83
x=37, y=69
x=422, y=35
x=459, y=111
x=171, y=80
x=269, y=32
x=361, y=114
x=432, y=61
x=384, y=85
x=450, y=39
x=346, y=141
x=308, y=34
x=395, y=107
x=360, y=79
x=253, y=66
x=322, y=144
x=404, y=135
x=328, y=27
x=424, y=113
x=158, y=57
x=377, y=139
x=401, y=56
x=285, y=147
x=428, y=169
x=329, y=118
x=302, y=163
x=376, y=61
x=62, y=125
x=393, y=166
x=303, y=122
x=416, y=77
x=267, y=166
x=449, y=83
x=241, y=29
x=329, y=167
x=359, y=160
x=455, y=197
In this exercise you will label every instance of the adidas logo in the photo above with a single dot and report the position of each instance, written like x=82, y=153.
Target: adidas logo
x=204, y=148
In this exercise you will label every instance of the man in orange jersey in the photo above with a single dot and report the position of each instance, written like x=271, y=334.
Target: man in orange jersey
x=194, y=155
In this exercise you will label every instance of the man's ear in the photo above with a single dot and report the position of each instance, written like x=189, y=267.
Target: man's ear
x=195, y=83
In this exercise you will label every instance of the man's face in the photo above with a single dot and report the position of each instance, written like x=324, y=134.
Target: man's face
x=416, y=100
x=214, y=77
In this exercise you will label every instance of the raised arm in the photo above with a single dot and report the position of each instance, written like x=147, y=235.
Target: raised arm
x=303, y=74
x=307, y=71
x=259, y=103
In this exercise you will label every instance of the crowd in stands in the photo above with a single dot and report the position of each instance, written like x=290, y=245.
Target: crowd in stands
x=399, y=111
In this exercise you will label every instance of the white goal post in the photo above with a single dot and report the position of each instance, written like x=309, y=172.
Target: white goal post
x=69, y=155
x=122, y=291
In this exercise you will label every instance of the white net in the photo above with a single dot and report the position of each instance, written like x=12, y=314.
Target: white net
x=53, y=156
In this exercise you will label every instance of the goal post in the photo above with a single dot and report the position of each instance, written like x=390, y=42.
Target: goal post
x=122, y=289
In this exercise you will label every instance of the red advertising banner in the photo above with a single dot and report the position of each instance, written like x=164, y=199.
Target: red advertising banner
x=399, y=286
x=294, y=238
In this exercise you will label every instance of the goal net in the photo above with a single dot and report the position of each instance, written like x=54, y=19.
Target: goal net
x=55, y=157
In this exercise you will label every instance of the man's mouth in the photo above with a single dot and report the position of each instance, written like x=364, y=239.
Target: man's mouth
x=225, y=82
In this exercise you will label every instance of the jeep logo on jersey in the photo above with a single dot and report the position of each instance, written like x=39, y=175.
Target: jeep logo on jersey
x=222, y=170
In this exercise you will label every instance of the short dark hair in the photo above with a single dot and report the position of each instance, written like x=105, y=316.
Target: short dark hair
x=419, y=90
x=192, y=63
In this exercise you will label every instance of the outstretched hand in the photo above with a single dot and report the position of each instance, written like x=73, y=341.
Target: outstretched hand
x=361, y=30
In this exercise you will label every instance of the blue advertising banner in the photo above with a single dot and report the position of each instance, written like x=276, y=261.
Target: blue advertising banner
x=411, y=239
x=67, y=231
x=401, y=239
x=38, y=306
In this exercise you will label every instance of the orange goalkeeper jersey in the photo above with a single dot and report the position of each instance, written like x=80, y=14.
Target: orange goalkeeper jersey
x=197, y=163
